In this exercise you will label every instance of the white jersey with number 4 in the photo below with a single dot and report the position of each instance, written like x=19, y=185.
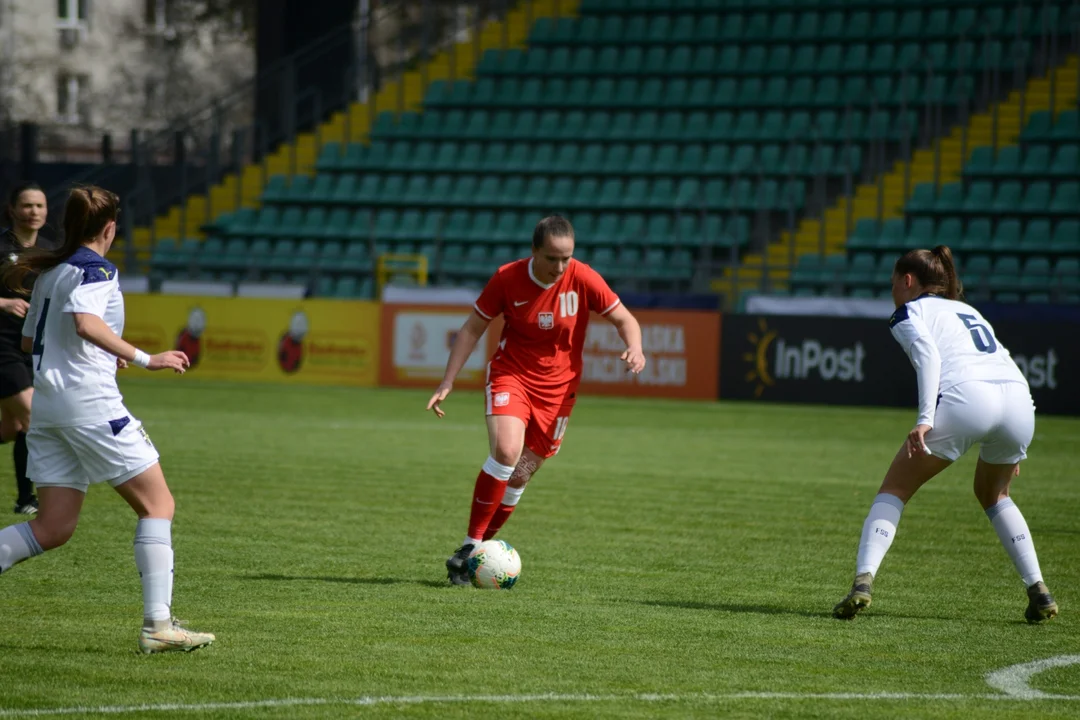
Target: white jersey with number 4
x=949, y=343
x=74, y=380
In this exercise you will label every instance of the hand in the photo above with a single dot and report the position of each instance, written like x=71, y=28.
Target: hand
x=916, y=443
x=121, y=364
x=440, y=395
x=171, y=359
x=15, y=306
x=634, y=359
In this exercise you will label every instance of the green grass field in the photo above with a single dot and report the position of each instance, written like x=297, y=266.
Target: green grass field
x=688, y=551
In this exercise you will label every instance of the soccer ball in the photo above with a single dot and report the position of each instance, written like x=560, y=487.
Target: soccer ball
x=494, y=565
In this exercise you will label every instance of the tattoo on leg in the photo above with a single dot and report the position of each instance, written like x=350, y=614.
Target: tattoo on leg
x=523, y=472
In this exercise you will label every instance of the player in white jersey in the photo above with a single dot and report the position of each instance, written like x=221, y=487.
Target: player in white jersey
x=80, y=431
x=970, y=391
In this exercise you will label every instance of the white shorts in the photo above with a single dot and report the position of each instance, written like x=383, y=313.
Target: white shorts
x=998, y=415
x=74, y=457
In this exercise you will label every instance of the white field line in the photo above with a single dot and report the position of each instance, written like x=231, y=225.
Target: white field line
x=1014, y=679
x=517, y=699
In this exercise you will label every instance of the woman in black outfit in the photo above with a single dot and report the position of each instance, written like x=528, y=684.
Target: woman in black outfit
x=27, y=213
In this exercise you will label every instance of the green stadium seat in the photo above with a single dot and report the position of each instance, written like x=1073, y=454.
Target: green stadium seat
x=1036, y=276
x=360, y=227
x=1036, y=198
x=950, y=197
x=827, y=93
x=977, y=269
x=754, y=59
x=464, y=191
x=923, y=198
x=276, y=189
x=1006, y=200
x=337, y=225
x=374, y=157
x=512, y=191
x=1067, y=126
x=864, y=235
x=1036, y=236
x=893, y=235
x=1067, y=274
x=949, y=232
x=724, y=93
x=830, y=61
x=345, y=189
x=1006, y=237
x=1008, y=162
x=1036, y=161
x=920, y=232
x=1039, y=127
x=981, y=162
x=977, y=237
x=797, y=126
x=432, y=225
x=300, y=189
x=1066, y=162
x=746, y=127
x=857, y=60
x=1066, y=199
x=655, y=62
x=884, y=270
x=1005, y=275
x=329, y=156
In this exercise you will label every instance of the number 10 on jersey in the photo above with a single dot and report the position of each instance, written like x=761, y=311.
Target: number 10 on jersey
x=568, y=304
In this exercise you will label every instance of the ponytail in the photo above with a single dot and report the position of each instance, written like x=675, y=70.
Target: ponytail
x=934, y=269
x=953, y=289
x=87, y=211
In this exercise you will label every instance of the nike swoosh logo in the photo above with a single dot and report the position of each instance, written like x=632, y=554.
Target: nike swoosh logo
x=519, y=304
x=484, y=503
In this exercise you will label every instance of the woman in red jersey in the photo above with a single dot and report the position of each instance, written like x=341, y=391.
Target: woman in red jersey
x=532, y=381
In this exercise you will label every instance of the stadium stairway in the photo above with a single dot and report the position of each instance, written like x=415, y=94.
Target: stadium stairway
x=298, y=157
x=903, y=183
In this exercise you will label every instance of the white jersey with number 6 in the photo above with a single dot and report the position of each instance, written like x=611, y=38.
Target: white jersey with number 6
x=74, y=380
x=970, y=390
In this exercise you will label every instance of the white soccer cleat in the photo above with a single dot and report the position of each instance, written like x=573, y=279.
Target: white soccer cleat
x=173, y=639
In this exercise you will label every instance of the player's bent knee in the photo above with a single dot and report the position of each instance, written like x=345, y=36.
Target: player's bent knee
x=507, y=454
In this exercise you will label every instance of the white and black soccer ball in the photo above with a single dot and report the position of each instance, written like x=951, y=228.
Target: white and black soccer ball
x=494, y=565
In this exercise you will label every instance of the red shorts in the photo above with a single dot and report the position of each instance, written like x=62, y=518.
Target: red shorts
x=545, y=420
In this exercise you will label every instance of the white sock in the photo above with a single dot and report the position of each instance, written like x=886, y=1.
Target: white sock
x=1013, y=532
x=17, y=543
x=878, y=532
x=154, y=559
x=471, y=541
x=512, y=495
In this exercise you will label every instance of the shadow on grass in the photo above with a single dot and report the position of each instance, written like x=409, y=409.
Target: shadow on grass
x=774, y=610
x=347, y=580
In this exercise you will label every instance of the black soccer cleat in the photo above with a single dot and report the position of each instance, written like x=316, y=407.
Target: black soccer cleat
x=1041, y=605
x=28, y=507
x=457, y=566
x=857, y=599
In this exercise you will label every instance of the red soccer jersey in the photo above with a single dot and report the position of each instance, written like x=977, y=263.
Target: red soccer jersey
x=545, y=326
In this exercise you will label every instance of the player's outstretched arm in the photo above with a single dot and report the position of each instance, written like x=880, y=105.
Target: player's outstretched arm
x=630, y=332
x=464, y=344
x=93, y=329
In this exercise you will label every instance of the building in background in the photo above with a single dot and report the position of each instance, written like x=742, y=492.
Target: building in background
x=81, y=68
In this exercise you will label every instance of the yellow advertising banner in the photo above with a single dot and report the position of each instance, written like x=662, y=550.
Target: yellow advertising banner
x=315, y=342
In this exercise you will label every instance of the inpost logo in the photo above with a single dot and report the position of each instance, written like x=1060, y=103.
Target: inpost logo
x=799, y=361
